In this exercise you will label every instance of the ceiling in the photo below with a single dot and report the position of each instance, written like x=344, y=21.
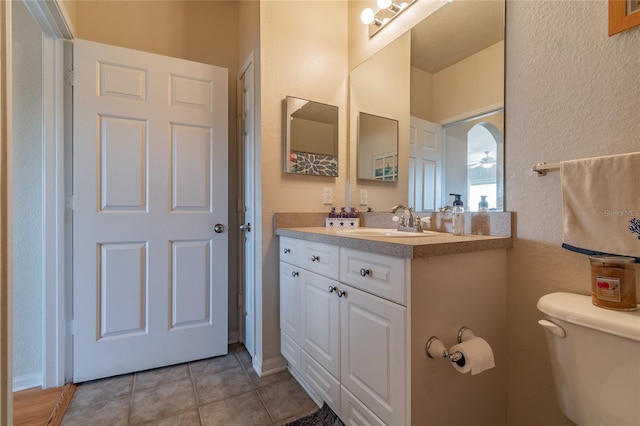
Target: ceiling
x=455, y=32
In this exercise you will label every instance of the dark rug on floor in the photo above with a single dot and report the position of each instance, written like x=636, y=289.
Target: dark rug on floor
x=323, y=417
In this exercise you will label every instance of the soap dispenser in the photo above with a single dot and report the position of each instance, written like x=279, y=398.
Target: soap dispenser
x=458, y=215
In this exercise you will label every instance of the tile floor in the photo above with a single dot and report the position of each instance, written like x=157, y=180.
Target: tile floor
x=224, y=390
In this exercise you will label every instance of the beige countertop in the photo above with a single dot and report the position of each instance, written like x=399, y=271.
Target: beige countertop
x=408, y=247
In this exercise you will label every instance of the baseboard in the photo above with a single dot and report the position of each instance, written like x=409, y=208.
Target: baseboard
x=269, y=366
x=27, y=381
x=233, y=337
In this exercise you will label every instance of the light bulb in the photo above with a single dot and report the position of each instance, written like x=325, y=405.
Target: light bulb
x=384, y=4
x=367, y=16
x=487, y=165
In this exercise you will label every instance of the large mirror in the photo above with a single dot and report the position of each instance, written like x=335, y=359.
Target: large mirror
x=443, y=81
x=310, y=137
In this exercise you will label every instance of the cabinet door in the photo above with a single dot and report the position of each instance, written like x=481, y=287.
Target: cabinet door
x=373, y=353
x=320, y=321
x=290, y=301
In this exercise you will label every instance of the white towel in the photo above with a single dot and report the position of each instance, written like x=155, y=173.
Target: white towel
x=601, y=201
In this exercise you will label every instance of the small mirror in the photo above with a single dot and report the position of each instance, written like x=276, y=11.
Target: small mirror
x=311, y=138
x=377, y=148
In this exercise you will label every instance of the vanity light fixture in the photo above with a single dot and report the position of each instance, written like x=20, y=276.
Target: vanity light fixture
x=389, y=9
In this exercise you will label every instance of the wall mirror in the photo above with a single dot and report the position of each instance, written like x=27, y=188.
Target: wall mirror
x=377, y=148
x=443, y=81
x=310, y=137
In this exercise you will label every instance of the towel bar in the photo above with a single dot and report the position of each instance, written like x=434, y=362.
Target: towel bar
x=542, y=168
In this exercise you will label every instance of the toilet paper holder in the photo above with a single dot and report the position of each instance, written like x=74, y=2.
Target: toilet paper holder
x=436, y=349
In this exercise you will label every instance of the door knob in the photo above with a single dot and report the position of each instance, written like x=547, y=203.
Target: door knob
x=246, y=228
x=218, y=228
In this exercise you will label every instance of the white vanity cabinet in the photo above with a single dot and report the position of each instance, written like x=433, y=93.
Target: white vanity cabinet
x=346, y=345
x=364, y=353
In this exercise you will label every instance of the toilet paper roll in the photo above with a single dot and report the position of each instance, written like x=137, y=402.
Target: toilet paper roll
x=478, y=356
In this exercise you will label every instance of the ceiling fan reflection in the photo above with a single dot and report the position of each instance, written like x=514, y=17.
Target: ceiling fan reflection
x=486, y=162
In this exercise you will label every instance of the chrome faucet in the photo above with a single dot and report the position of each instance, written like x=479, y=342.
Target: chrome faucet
x=408, y=222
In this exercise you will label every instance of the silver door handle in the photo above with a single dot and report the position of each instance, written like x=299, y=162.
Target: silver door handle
x=246, y=228
x=218, y=228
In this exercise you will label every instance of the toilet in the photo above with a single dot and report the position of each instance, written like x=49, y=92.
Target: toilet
x=595, y=359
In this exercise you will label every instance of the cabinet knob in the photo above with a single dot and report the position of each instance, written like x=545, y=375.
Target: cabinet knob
x=287, y=251
x=332, y=289
x=341, y=293
x=365, y=272
x=315, y=258
x=295, y=273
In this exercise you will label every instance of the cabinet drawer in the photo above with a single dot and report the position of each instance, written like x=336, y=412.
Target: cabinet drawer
x=291, y=351
x=320, y=258
x=290, y=250
x=323, y=384
x=382, y=275
x=353, y=412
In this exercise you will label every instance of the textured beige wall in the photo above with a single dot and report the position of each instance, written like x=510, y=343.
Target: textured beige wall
x=571, y=92
x=304, y=54
x=200, y=31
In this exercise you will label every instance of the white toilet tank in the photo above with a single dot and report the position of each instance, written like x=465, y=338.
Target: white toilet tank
x=595, y=358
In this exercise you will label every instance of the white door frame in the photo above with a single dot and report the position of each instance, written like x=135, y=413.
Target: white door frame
x=6, y=305
x=251, y=261
x=55, y=25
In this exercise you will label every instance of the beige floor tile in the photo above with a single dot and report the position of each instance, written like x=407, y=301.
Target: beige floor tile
x=221, y=385
x=213, y=365
x=285, y=398
x=236, y=347
x=266, y=380
x=101, y=412
x=241, y=410
x=103, y=389
x=158, y=376
x=245, y=359
x=223, y=390
x=162, y=401
x=189, y=418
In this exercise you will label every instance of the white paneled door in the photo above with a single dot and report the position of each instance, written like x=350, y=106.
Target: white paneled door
x=150, y=186
x=425, y=165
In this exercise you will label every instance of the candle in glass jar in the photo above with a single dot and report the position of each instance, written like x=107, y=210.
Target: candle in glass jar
x=613, y=282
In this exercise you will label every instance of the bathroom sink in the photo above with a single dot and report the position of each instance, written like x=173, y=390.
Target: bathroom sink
x=379, y=232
